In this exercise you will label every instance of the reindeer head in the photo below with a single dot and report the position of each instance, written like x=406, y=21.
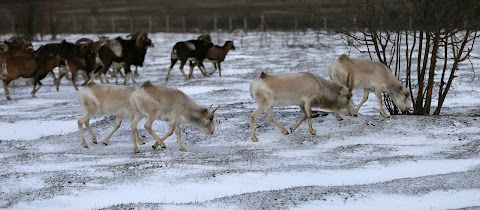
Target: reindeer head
x=400, y=96
x=205, y=121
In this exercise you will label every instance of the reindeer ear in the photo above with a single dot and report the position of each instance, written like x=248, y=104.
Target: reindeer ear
x=205, y=111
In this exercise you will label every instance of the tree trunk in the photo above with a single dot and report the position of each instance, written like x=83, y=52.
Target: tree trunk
x=431, y=73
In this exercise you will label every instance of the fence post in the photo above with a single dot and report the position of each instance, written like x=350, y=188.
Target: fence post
x=184, y=24
x=168, y=24
x=295, y=26
x=54, y=27
x=93, y=25
x=150, y=24
x=215, y=23
x=325, y=23
x=262, y=23
x=245, y=25
x=74, y=24
x=410, y=23
x=113, y=25
x=131, y=25
x=354, y=24
x=13, y=25
x=230, y=27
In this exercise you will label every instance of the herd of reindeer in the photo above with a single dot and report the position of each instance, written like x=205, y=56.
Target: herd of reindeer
x=95, y=58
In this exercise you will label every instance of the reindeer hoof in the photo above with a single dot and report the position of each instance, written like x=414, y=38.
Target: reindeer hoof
x=136, y=150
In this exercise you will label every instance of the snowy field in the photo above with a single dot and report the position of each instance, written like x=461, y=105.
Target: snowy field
x=364, y=162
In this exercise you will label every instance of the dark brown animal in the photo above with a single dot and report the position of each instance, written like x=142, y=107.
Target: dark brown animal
x=191, y=50
x=217, y=55
x=27, y=67
x=132, y=53
x=83, y=59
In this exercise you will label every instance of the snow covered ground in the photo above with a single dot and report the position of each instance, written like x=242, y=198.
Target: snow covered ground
x=364, y=162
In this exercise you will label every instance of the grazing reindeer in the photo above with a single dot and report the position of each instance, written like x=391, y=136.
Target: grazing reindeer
x=156, y=102
x=303, y=89
x=371, y=76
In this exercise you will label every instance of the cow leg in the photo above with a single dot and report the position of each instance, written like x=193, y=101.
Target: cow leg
x=5, y=87
x=172, y=63
x=192, y=65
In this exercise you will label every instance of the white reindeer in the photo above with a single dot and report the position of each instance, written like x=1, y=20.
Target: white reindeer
x=303, y=89
x=171, y=105
x=371, y=76
x=105, y=99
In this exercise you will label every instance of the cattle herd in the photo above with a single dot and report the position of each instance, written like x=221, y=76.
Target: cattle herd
x=91, y=58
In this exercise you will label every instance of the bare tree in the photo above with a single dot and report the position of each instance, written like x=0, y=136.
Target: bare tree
x=422, y=41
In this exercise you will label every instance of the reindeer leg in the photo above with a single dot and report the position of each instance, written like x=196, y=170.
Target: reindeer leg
x=337, y=115
x=118, y=122
x=304, y=117
x=365, y=97
x=260, y=109
x=308, y=110
x=179, y=139
x=84, y=120
x=148, y=127
x=380, y=103
x=270, y=118
x=135, y=135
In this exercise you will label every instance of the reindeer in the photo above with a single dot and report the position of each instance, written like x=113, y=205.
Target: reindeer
x=303, y=89
x=371, y=76
x=171, y=105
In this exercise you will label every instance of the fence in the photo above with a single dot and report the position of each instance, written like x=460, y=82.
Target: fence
x=168, y=23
